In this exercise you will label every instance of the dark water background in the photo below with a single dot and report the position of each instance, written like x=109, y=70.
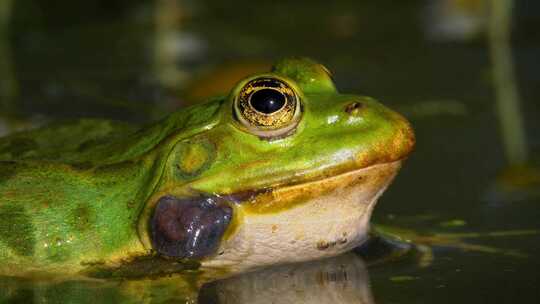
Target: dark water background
x=134, y=60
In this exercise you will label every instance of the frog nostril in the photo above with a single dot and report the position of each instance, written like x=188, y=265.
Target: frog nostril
x=353, y=108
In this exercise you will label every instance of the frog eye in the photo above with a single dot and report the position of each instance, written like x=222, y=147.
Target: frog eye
x=267, y=107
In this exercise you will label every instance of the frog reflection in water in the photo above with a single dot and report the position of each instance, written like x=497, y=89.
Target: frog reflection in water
x=284, y=169
x=338, y=280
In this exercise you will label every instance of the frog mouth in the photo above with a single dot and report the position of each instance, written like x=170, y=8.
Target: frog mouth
x=248, y=196
x=283, y=197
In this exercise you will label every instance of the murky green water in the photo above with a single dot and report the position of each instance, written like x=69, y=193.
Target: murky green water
x=135, y=60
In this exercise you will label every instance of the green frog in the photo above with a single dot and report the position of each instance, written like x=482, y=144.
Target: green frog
x=282, y=169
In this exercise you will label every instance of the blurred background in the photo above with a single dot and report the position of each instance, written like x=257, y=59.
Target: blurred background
x=465, y=73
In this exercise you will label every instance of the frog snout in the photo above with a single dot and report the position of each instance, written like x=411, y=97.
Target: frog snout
x=381, y=134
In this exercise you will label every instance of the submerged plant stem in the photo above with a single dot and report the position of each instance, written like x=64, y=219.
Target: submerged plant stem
x=506, y=92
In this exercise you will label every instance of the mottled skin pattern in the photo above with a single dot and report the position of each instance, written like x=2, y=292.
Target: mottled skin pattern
x=77, y=198
x=77, y=195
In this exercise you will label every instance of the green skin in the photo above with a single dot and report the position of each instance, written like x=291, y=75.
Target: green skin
x=77, y=195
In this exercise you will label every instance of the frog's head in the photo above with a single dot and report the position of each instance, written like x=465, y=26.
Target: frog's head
x=289, y=171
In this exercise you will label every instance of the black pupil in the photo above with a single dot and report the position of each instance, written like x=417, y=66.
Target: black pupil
x=267, y=101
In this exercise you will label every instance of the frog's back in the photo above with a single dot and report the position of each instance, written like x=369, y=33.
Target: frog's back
x=95, y=141
x=57, y=142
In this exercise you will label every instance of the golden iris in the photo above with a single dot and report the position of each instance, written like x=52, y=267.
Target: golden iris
x=267, y=103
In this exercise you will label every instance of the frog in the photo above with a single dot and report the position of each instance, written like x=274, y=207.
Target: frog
x=284, y=168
